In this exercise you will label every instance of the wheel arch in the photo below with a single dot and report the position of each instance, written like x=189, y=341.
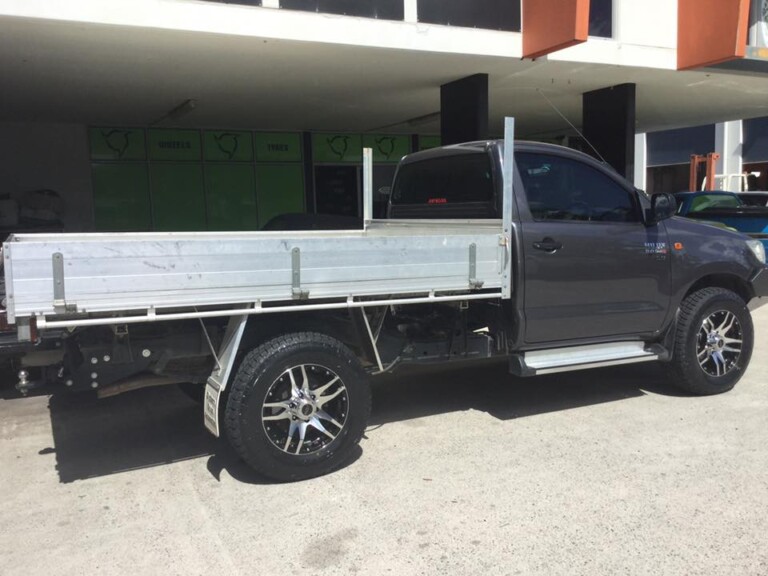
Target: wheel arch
x=730, y=282
x=336, y=324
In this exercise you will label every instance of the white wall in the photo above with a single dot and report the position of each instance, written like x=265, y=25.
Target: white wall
x=644, y=35
x=640, y=179
x=49, y=156
x=234, y=19
x=650, y=23
x=729, y=138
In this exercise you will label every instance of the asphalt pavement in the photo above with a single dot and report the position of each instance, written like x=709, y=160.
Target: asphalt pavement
x=467, y=472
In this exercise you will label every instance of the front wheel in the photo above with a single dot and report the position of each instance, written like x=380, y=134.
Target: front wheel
x=713, y=342
x=298, y=407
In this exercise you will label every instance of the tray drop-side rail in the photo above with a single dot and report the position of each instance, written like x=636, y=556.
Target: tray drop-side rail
x=63, y=274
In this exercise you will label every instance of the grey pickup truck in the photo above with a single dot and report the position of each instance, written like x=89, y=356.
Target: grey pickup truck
x=539, y=255
x=598, y=262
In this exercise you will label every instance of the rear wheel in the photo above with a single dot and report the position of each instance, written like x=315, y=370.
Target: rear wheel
x=713, y=342
x=298, y=406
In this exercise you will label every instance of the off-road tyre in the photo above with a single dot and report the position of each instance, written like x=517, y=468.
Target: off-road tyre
x=687, y=371
x=257, y=377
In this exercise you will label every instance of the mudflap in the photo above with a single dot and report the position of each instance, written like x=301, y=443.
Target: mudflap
x=211, y=407
x=217, y=381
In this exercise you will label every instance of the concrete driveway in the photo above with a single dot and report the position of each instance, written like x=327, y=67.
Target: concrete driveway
x=463, y=472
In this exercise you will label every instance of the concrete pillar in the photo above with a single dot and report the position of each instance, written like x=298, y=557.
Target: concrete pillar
x=464, y=109
x=641, y=162
x=608, y=122
x=410, y=11
x=728, y=143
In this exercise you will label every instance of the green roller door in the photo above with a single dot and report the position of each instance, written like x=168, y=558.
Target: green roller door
x=280, y=190
x=231, y=197
x=178, y=198
x=121, y=197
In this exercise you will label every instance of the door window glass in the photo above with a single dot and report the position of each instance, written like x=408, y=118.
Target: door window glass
x=559, y=188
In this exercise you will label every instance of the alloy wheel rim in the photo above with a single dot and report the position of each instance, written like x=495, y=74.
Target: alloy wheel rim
x=305, y=409
x=719, y=343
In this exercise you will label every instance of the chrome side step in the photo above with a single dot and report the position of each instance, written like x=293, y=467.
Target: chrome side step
x=583, y=357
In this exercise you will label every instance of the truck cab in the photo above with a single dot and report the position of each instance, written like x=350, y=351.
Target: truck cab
x=595, y=261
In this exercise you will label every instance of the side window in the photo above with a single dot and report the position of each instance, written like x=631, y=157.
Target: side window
x=559, y=188
x=445, y=180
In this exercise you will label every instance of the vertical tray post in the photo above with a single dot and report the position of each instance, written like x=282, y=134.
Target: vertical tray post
x=508, y=174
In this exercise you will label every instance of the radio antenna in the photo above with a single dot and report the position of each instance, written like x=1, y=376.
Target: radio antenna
x=556, y=109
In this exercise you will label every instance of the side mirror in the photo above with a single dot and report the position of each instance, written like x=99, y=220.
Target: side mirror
x=663, y=206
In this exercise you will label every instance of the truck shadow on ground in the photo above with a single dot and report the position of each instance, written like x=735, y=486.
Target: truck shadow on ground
x=139, y=429
x=422, y=392
x=159, y=426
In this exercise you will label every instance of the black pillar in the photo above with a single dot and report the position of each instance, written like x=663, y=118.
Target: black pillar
x=464, y=110
x=608, y=122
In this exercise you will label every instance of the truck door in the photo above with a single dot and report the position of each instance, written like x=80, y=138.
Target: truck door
x=591, y=266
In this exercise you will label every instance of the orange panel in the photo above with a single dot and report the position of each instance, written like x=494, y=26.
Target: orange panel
x=551, y=25
x=711, y=31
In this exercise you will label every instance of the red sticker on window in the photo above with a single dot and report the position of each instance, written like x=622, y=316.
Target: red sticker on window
x=437, y=201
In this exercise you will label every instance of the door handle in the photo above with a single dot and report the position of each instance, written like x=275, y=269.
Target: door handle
x=548, y=245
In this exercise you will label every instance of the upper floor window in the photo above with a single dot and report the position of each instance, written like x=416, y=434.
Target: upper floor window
x=244, y=2
x=758, y=23
x=601, y=18
x=488, y=14
x=384, y=9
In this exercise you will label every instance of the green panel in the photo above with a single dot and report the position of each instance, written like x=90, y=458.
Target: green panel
x=230, y=190
x=174, y=144
x=337, y=148
x=278, y=147
x=178, y=199
x=280, y=190
x=387, y=148
x=228, y=146
x=117, y=144
x=427, y=142
x=121, y=197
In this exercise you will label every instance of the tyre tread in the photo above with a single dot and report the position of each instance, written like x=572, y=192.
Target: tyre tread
x=251, y=366
x=684, y=366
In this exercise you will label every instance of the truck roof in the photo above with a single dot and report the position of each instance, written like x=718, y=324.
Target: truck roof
x=480, y=145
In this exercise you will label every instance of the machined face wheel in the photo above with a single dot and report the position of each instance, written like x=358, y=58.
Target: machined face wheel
x=305, y=409
x=718, y=343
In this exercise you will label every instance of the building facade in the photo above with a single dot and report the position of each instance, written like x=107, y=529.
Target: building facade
x=208, y=115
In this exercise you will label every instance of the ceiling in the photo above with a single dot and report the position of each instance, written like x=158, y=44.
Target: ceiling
x=101, y=74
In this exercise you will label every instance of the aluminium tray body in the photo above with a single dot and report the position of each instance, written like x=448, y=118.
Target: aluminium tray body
x=49, y=275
